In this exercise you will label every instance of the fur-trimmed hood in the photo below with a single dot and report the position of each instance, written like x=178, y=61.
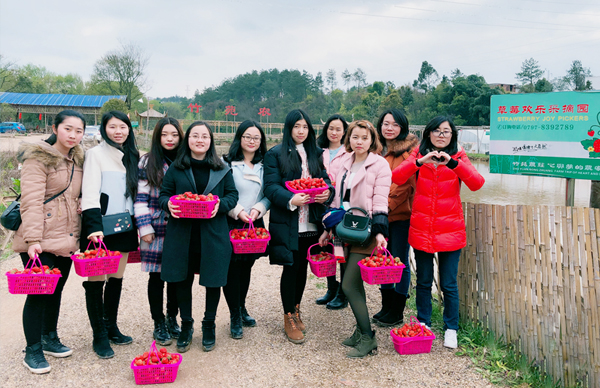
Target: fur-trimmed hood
x=47, y=154
x=399, y=147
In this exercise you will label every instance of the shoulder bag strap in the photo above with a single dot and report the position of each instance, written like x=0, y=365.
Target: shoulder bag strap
x=65, y=189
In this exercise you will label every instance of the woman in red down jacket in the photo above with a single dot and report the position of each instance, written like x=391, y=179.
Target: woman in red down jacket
x=437, y=222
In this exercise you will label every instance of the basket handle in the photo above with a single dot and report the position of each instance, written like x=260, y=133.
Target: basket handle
x=100, y=245
x=309, y=248
x=250, y=224
x=32, y=262
x=384, y=250
x=417, y=321
x=153, y=350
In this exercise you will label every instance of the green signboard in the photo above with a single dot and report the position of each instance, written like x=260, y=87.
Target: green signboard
x=135, y=124
x=549, y=134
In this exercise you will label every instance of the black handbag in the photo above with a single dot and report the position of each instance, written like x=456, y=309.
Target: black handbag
x=11, y=216
x=354, y=229
x=116, y=223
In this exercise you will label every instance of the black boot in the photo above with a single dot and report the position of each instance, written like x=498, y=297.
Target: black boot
x=161, y=333
x=235, y=325
x=395, y=315
x=173, y=327
x=247, y=320
x=208, y=335
x=332, y=287
x=185, y=337
x=112, y=298
x=95, y=310
x=386, y=302
x=339, y=302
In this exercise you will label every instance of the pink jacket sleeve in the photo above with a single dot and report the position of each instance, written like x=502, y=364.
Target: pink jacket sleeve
x=381, y=190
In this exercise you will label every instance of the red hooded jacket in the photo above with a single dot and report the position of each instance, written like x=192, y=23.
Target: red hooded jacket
x=437, y=222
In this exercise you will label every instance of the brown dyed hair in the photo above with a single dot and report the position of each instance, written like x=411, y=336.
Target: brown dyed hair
x=375, y=147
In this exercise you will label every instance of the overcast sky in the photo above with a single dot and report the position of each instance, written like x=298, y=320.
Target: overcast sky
x=197, y=44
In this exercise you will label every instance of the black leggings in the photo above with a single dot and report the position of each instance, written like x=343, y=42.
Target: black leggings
x=155, y=297
x=40, y=312
x=293, y=277
x=238, y=283
x=184, y=293
x=354, y=289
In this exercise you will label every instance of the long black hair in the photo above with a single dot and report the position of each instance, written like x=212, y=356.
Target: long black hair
x=131, y=155
x=433, y=124
x=400, y=119
x=235, y=150
x=60, y=117
x=289, y=157
x=184, y=155
x=323, y=140
x=156, y=156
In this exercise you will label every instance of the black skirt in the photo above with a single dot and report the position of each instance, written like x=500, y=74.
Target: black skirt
x=239, y=224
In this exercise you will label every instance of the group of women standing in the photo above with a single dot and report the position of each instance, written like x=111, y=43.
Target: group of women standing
x=410, y=192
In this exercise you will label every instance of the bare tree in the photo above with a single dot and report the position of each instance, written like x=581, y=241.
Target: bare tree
x=360, y=77
x=331, y=79
x=347, y=77
x=122, y=71
x=7, y=74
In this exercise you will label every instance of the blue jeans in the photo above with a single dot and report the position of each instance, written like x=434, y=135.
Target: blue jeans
x=398, y=246
x=448, y=267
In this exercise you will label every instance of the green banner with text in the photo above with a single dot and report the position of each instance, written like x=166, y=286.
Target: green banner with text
x=549, y=134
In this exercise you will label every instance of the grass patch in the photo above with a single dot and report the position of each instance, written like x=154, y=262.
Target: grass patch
x=493, y=358
x=7, y=252
x=482, y=157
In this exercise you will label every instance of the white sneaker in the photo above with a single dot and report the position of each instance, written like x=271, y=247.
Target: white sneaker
x=450, y=340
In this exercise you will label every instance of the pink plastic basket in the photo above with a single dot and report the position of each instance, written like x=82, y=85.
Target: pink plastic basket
x=251, y=245
x=31, y=283
x=412, y=345
x=311, y=192
x=194, y=209
x=134, y=257
x=98, y=266
x=155, y=374
x=322, y=268
x=381, y=275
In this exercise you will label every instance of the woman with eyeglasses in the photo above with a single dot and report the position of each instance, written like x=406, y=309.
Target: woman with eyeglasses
x=197, y=245
x=437, y=223
x=245, y=157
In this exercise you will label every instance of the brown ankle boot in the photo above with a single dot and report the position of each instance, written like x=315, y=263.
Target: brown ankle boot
x=301, y=326
x=291, y=330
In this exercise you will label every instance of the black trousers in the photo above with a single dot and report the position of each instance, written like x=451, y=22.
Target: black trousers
x=238, y=283
x=293, y=277
x=155, y=297
x=40, y=312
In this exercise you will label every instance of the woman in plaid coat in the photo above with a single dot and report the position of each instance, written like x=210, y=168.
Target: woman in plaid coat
x=152, y=224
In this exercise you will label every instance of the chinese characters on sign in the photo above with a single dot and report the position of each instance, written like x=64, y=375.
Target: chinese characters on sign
x=264, y=112
x=194, y=106
x=550, y=134
x=230, y=110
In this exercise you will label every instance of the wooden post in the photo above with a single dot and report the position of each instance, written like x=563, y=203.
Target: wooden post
x=570, y=194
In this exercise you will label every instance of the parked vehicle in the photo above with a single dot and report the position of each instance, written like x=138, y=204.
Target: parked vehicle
x=8, y=127
x=92, y=132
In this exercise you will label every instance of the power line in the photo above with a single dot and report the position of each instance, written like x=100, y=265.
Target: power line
x=521, y=9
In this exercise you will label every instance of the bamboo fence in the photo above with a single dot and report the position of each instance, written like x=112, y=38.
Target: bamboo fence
x=530, y=274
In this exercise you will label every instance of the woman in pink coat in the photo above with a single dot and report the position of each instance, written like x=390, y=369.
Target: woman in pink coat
x=363, y=181
x=331, y=141
x=437, y=222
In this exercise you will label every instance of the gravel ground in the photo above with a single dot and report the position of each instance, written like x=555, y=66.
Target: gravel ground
x=263, y=358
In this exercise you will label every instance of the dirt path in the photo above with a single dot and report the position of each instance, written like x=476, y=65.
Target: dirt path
x=11, y=143
x=263, y=358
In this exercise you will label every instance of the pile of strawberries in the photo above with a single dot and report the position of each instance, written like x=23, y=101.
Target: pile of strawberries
x=307, y=184
x=414, y=329
x=381, y=260
x=162, y=357
x=246, y=234
x=45, y=270
x=323, y=256
x=96, y=253
x=189, y=196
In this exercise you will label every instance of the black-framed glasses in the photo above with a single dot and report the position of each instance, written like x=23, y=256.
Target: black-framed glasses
x=438, y=133
x=250, y=139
